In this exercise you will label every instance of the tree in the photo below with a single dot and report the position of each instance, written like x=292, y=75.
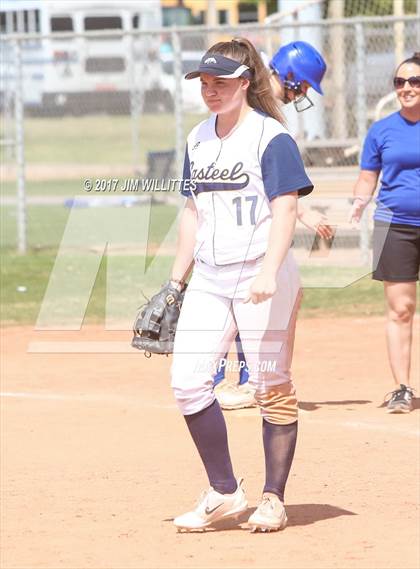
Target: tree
x=354, y=8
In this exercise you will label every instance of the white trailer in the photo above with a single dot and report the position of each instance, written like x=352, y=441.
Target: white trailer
x=81, y=73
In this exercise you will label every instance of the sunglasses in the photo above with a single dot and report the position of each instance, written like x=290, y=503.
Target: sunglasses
x=399, y=82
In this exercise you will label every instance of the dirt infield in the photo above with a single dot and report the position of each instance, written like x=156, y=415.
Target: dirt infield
x=96, y=460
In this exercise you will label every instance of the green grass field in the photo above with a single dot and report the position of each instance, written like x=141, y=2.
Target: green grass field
x=98, y=139
x=46, y=223
x=32, y=271
x=47, y=188
x=46, y=226
x=108, y=140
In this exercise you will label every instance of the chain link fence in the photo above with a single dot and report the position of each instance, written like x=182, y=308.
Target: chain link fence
x=114, y=106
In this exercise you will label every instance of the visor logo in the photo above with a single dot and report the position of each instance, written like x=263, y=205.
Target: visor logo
x=210, y=60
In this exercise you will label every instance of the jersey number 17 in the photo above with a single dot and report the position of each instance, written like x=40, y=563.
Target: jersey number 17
x=238, y=203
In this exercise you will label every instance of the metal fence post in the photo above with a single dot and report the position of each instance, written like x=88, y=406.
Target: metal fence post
x=361, y=120
x=136, y=105
x=338, y=67
x=418, y=27
x=179, y=127
x=20, y=152
x=361, y=115
x=398, y=10
x=296, y=33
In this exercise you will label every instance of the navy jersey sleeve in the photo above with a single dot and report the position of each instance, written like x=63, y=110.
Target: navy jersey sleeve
x=186, y=175
x=371, y=155
x=282, y=168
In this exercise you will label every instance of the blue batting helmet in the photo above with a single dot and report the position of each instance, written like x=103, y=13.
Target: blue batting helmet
x=303, y=60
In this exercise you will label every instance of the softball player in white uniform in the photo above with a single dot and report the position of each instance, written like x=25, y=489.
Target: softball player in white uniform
x=245, y=175
x=294, y=69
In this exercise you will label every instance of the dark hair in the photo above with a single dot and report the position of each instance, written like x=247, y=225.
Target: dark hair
x=415, y=58
x=259, y=93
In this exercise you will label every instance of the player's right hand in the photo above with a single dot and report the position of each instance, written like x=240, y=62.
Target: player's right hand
x=262, y=288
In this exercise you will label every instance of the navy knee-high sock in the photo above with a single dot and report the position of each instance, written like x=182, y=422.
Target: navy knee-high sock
x=279, y=449
x=208, y=430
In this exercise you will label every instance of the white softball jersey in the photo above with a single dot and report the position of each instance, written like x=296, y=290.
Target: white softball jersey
x=235, y=179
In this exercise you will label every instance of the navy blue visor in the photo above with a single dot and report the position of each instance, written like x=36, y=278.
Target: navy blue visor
x=220, y=66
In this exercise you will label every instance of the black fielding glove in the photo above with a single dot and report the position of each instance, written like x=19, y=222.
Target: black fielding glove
x=155, y=324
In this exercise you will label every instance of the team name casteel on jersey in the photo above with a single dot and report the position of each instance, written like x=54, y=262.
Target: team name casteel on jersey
x=236, y=176
x=235, y=179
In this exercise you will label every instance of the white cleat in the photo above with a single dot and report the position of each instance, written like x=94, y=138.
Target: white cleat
x=269, y=516
x=212, y=507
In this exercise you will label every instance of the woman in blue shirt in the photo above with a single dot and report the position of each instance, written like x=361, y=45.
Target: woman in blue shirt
x=392, y=146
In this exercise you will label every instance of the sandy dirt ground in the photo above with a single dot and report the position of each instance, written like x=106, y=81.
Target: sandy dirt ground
x=96, y=460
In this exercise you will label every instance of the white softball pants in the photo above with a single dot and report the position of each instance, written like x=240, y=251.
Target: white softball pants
x=212, y=313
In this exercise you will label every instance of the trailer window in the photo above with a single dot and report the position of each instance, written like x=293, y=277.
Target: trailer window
x=103, y=23
x=61, y=24
x=22, y=21
x=187, y=66
x=248, y=12
x=104, y=65
x=176, y=16
x=32, y=23
x=3, y=28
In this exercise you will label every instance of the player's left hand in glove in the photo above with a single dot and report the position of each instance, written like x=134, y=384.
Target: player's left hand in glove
x=155, y=324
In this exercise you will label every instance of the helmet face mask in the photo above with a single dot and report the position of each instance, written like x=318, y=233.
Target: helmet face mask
x=302, y=103
x=300, y=99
